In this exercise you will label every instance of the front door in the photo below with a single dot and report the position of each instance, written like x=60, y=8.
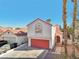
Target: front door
x=58, y=39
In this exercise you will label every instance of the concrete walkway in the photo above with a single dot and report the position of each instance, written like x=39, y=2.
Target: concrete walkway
x=53, y=55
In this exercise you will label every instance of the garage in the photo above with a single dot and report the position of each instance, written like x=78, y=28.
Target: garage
x=40, y=43
x=41, y=34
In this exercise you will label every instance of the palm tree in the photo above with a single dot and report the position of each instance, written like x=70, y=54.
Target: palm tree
x=65, y=27
x=74, y=19
x=69, y=31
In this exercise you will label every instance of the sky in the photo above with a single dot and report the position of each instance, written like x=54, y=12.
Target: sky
x=19, y=13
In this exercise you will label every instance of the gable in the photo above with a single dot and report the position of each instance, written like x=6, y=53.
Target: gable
x=39, y=21
x=39, y=29
x=38, y=26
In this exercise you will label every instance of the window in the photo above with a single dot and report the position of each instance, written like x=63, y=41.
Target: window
x=38, y=28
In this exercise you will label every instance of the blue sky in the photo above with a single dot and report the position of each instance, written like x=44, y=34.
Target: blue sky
x=19, y=13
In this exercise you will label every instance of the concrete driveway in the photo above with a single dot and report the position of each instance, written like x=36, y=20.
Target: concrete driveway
x=24, y=52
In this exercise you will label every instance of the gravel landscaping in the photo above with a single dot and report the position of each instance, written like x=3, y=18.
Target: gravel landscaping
x=4, y=48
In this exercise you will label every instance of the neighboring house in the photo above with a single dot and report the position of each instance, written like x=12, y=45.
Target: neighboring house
x=1, y=31
x=24, y=29
x=12, y=37
x=22, y=37
x=59, y=35
x=41, y=34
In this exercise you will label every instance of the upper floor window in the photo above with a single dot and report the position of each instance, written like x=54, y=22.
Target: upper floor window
x=38, y=28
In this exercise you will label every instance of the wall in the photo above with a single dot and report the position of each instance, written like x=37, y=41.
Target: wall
x=10, y=37
x=52, y=41
x=21, y=39
x=45, y=30
x=59, y=33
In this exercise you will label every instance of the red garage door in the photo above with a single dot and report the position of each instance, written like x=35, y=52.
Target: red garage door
x=40, y=43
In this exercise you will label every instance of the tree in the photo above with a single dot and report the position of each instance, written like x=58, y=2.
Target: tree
x=17, y=28
x=69, y=30
x=49, y=21
x=65, y=27
x=74, y=19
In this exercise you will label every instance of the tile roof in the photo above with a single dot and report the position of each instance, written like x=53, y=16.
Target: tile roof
x=20, y=32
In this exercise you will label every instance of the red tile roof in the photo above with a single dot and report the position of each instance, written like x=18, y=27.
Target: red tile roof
x=19, y=32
